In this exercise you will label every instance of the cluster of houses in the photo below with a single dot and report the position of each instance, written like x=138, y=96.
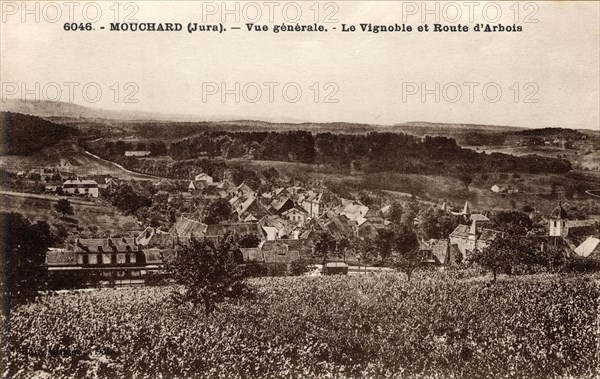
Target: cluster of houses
x=286, y=221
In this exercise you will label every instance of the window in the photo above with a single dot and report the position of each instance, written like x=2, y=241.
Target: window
x=555, y=223
x=85, y=259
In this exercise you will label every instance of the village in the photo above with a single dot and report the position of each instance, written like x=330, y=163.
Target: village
x=281, y=227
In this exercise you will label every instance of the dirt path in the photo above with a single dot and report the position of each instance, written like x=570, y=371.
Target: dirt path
x=132, y=173
x=49, y=197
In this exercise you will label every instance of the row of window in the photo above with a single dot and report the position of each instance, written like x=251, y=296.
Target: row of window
x=96, y=259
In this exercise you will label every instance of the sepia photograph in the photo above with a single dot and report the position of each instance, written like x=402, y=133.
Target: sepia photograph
x=300, y=189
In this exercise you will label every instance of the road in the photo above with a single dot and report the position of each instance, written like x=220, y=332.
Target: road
x=120, y=167
x=72, y=200
x=594, y=193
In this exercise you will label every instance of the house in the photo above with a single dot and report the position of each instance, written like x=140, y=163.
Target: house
x=471, y=238
x=354, y=210
x=252, y=255
x=81, y=187
x=317, y=203
x=191, y=186
x=250, y=209
x=496, y=189
x=365, y=229
x=207, y=179
x=279, y=252
x=137, y=153
x=276, y=226
x=478, y=217
x=589, y=247
x=217, y=232
x=281, y=204
x=101, y=259
x=186, y=229
x=289, y=249
x=441, y=252
x=296, y=215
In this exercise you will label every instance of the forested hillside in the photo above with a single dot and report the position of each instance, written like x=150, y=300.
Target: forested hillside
x=26, y=135
x=371, y=152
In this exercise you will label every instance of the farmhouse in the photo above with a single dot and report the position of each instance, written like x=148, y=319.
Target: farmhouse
x=81, y=187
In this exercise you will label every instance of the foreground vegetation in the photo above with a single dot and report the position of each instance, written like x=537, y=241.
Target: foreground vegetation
x=357, y=326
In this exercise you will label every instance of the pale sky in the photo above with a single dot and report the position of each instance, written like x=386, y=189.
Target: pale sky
x=377, y=78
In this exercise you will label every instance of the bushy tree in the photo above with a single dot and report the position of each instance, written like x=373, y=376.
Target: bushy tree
x=128, y=200
x=208, y=274
x=24, y=255
x=325, y=246
x=219, y=210
x=505, y=253
x=248, y=240
x=405, y=250
x=64, y=207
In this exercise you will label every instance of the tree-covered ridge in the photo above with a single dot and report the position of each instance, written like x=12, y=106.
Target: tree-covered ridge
x=26, y=135
x=372, y=151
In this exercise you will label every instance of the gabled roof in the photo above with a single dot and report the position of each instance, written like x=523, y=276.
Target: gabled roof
x=219, y=230
x=295, y=208
x=478, y=217
x=107, y=245
x=279, y=203
x=440, y=249
x=590, y=246
x=186, y=227
x=461, y=231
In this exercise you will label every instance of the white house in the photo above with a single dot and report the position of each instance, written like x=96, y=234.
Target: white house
x=137, y=153
x=81, y=187
x=204, y=178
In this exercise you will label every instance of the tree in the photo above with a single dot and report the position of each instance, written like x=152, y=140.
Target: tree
x=396, y=211
x=64, y=207
x=466, y=179
x=248, y=240
x=504, y=253
x=405, y=250
x=384, y=243
x=325, y=246
x=208, y=274
x=217, y=211
x=24, y=253
x=128, y=200
x=342, y=246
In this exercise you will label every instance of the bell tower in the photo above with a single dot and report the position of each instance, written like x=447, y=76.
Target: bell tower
x=558, y=222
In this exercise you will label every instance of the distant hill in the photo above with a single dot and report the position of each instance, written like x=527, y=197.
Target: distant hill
x=97, y=123
x=27, y=135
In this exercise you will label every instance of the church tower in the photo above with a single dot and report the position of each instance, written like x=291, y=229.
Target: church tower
x=558, y=222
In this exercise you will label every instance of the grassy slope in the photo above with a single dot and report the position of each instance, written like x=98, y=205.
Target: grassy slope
x=101, y=215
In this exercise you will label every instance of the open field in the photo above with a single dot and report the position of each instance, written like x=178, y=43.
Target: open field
x=41, y=207
x=589, y=160
x=345, y=327
x=68, y=157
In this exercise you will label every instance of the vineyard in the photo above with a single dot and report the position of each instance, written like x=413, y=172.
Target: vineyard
x=358, y=326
